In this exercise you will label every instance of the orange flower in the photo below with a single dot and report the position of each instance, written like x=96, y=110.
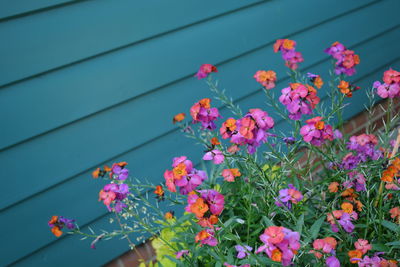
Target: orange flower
x=318, y=82
x=199, y=208
x=396, y=164
x=53, y=219
x=320, y=125
x=159, y=191
x=201, y=236
x=347, y=207
x=106, y=168
x=333, y=187
x=122, y=164
x=56, y=231
x=231, y=124
x=169, y=215
x=215, y=141
x=179, y=171
x=288, y=44
x=96, y=173
x=276, y=255
x=178, y=117
x=355, y=254
x=344, y=87
x=349, y=192
x=387, y=175
x=359, y=205
x=205, y=103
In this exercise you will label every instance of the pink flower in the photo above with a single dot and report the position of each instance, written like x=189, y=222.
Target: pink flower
x=275, y=234
x=362, y=245
x=266, y=78
x=215, y=155
x=206, y=237
x=204, y=70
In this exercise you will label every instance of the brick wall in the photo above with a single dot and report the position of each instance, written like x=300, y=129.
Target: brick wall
x=355, y=126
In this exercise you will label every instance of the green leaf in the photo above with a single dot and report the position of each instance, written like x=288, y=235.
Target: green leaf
x=299, y=224
x=391, y=226
x=380, y=247
x=314, y=230
x=395, y=243
x=267, y=221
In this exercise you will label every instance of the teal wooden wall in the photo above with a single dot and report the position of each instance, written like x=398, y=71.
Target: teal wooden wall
x=87, y=83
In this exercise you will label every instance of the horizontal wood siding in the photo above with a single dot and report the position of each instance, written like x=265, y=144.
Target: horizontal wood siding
x=86, y=83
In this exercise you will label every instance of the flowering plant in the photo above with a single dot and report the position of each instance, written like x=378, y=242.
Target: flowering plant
x=311, y=195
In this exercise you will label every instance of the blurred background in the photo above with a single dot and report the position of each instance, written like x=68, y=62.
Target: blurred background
x=88, y=83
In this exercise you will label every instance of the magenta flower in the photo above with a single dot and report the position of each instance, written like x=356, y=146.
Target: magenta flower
x=202, y=112
x=243, y=251
x=215, y=155
x=332, y=261
x=184, y=176
x=346, y=59
x=282, y=241
x=288, y=196
x=181, y=253
x=316, y=132
x=214, y=199
x=204, y=70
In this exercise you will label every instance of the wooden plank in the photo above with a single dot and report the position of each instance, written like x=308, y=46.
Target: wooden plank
x=51, y=39
x=142, y=162
x=9, y=8
x=106, y=250
x=68, y=151
x=119, y=76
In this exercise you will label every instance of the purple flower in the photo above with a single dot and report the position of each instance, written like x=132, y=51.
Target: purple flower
x=119, y=173
x=332, y=261
x=289, y=140
x=243, y=251
x=345, y=222
x=69, y=223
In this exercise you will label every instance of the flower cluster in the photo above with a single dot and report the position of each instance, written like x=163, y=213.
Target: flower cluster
x=289, y=53
x=250, y=130
x=364, y=147
x=344, y=217
x=315, y=79
x=316, y=132
x=113, y=195
x=280, y=244
x=204, y=70
x=299, y=99
x=326, y=247
x=356, y=180
x=57, y=223
x=184, y=176
x=202, y=112
x=207, y=206
x=289, y=196
x=347, y=89
x=390, y=86
x=266, y=78
x=346, y=59
x=362, y=247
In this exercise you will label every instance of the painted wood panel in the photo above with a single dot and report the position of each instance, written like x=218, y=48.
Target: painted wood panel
x=117, y=101
x=145, y=67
